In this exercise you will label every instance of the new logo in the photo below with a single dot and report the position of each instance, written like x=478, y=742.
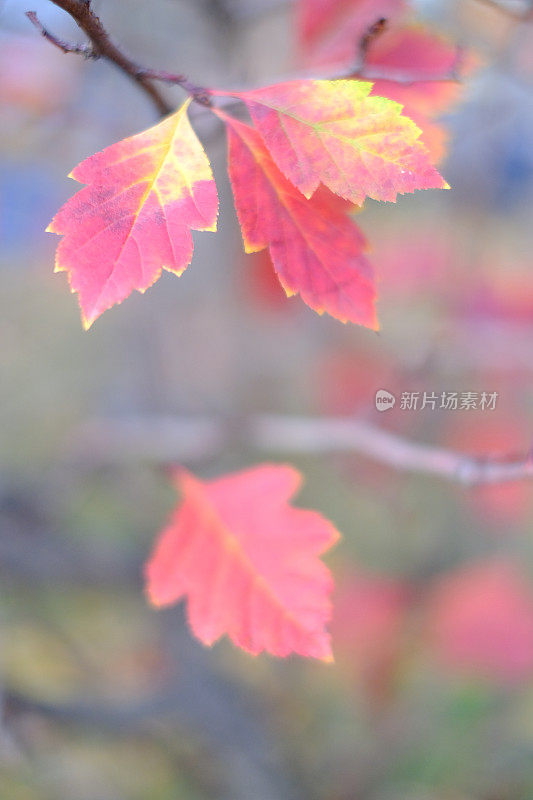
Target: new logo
x=384, y=400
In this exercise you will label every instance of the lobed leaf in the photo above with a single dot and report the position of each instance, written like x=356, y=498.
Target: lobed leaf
x=247, y=562
x=316, y=249
x=333, y=132
x=134, y=218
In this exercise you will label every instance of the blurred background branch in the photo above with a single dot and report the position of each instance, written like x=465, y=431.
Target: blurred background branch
x=182, y=439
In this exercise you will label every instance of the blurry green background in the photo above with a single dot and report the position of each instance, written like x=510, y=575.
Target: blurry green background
x=431, y=695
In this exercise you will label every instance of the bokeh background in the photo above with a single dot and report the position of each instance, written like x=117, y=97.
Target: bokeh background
x=431, y=694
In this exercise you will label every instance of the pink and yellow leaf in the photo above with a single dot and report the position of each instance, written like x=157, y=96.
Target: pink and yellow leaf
x=134, y=218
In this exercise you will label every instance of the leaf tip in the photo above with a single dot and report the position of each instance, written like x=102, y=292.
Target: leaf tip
x=153, y=600
x=87, y=321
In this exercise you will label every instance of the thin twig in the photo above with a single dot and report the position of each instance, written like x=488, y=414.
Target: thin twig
x=199, y=93
x=102, y=46
x=165, y=439
x=375, y=30
x=80, y=49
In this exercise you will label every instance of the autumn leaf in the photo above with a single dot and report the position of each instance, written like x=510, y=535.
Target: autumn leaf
x=247, y=562
x=335, y=133
x=134, y=219
x=408, y=62
x=316, y=249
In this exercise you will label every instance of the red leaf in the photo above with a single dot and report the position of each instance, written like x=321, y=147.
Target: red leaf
x=247, y=562
x=333, y=132
x=134, y=219
x=349, y=19
x=331, y=32
x=315, y=247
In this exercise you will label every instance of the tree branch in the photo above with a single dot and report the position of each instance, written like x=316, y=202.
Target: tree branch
x=101, y=46
x=167, y=439
x=347, y=435
x=80, y=49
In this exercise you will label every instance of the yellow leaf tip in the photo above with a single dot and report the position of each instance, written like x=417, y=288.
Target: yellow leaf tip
x=87, y=322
